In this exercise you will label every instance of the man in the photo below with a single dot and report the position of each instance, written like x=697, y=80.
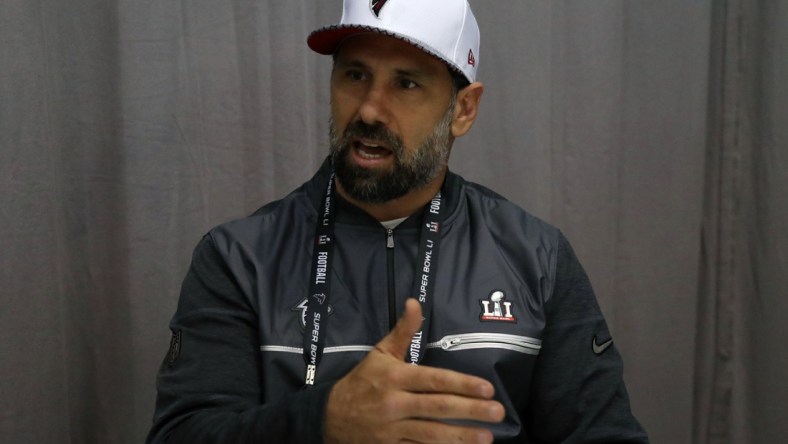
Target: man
x=388, y=300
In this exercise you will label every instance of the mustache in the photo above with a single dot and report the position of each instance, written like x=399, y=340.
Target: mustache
x=377, y=132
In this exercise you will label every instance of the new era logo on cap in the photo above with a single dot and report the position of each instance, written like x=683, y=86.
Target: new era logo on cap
x=445, y=29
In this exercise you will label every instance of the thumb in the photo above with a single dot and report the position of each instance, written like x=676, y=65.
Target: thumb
x=397, y=342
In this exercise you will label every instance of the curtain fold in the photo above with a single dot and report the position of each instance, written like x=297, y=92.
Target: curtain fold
x=739, y=396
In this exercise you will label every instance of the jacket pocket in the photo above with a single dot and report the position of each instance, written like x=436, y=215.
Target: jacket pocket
x=470, y=341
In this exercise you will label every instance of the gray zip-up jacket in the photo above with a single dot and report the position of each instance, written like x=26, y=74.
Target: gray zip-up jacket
x=511, y=305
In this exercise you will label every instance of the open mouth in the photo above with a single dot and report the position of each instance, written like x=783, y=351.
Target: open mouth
x=370, y=150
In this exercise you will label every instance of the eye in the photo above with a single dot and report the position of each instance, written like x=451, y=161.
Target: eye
x=354, y=75
x=407, y=84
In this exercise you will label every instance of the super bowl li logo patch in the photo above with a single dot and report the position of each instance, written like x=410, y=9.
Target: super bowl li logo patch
x=494, y=308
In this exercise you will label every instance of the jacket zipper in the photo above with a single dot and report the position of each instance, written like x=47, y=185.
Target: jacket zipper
x=299, y=350
x=390, y=272
x=450, y=343
x=470, y=341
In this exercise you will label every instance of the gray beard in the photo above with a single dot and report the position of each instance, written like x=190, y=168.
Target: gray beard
x=412, y=171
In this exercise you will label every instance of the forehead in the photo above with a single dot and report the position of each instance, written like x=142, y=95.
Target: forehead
x=378, y=49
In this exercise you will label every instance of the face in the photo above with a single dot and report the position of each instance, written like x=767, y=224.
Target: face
x=392, y=108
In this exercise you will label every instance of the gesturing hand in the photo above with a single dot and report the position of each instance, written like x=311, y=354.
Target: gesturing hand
x=386, y=400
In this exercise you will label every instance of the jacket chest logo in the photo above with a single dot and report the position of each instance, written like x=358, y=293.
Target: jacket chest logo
x=496, y=309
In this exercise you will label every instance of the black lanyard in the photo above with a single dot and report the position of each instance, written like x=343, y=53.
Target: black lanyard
x=317, y=302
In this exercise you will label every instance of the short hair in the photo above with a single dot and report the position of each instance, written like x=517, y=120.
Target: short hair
x=458, y=79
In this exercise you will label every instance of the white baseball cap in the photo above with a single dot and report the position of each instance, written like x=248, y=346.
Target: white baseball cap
x=445, y=29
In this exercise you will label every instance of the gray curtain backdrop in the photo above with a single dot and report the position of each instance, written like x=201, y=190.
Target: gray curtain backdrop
x=652, y=133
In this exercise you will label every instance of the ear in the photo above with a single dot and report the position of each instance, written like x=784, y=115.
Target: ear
x=465, y=108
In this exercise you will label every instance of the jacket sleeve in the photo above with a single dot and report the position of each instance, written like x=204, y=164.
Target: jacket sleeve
x=208, y=387
x=578, y=393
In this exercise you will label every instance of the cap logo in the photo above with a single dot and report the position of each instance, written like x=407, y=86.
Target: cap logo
x=376, y=6
x=471, y=58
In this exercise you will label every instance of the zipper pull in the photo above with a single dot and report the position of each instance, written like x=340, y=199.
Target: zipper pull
x=447, y=343
x=389, y=238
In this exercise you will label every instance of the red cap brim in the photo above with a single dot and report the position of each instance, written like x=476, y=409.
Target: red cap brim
x=327, y=40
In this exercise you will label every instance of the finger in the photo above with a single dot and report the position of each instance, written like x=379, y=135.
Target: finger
x=438, y=380
x=441, y=406
x=433, y=432
x=397, y=342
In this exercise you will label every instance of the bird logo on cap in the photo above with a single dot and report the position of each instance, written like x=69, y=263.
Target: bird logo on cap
x=376, y=6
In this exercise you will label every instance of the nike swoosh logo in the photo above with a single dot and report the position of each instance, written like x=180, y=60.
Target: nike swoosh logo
x=600, y=348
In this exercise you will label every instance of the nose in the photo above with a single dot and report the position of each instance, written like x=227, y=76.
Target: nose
x=374, y=107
